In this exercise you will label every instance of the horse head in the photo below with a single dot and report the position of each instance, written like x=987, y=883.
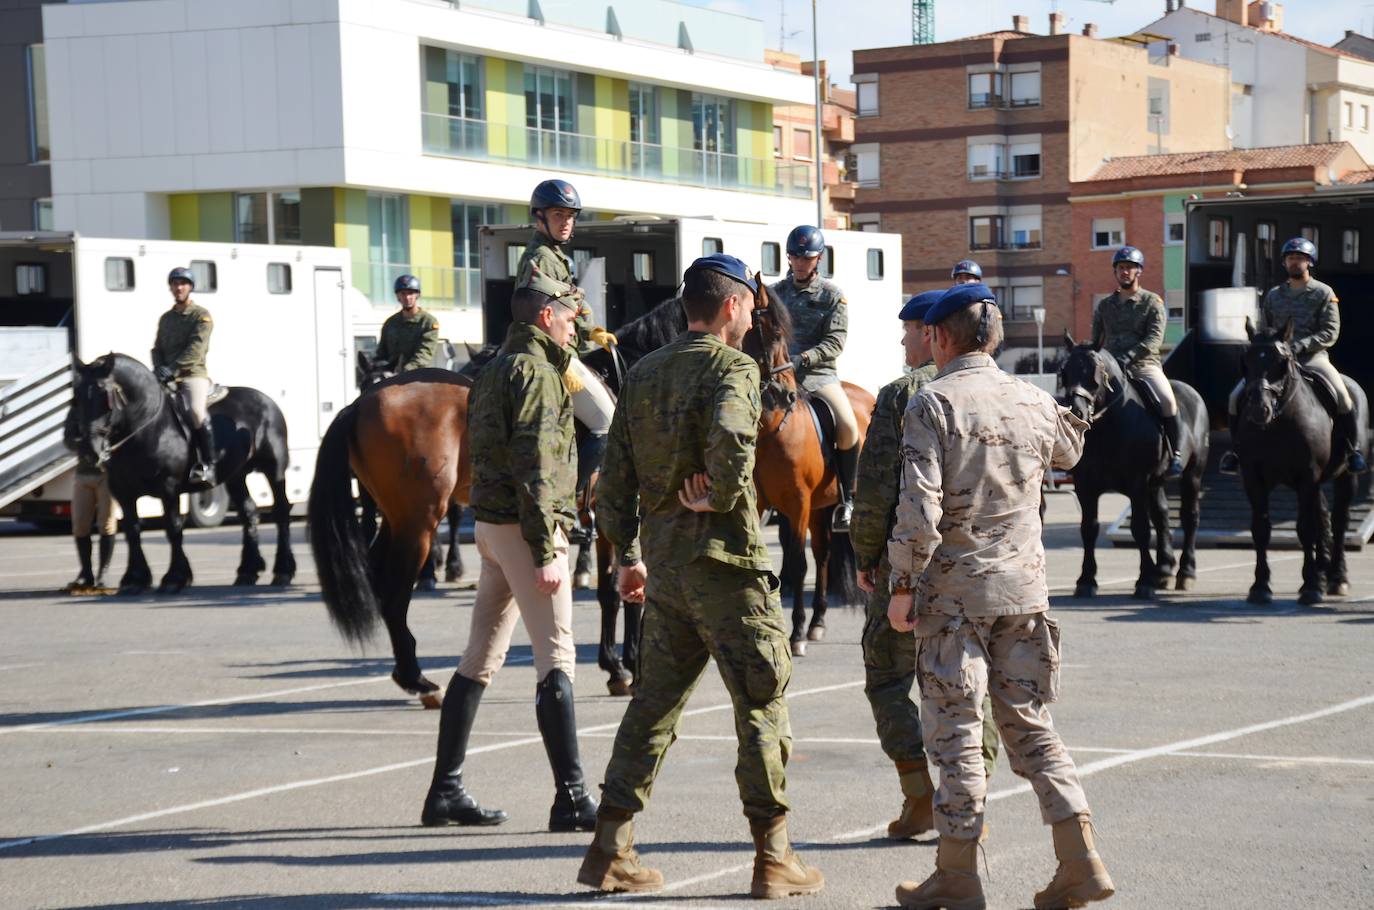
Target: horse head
x=368, y=371
x=97, y=400
x=769, y=342
x=1270, y=373
x=1091, y=380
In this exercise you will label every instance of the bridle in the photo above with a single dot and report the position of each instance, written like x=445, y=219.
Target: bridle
x=771, y=384
x=1282, y=391
x=116, y=402
x=1094, y=411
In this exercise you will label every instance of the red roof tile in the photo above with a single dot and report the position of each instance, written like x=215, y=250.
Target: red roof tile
x=1364, y=176
x=1224, y=160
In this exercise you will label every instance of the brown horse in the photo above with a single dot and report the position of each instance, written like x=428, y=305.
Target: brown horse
x=793, y=475
x=406, y=441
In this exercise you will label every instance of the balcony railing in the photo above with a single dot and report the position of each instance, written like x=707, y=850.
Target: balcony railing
x=458, y=137
x=441, y=288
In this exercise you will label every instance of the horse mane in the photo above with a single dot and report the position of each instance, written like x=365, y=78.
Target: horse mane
x=776, y=313
x=653, y=330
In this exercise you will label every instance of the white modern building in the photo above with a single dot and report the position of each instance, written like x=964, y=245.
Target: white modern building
x=1284, y=90
x=395, y=127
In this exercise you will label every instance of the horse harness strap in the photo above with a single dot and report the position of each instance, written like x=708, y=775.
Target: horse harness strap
x=116, y=395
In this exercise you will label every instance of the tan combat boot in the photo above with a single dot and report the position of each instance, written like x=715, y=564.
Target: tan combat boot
x=954, y=884
x=917, y=815
x=778, y=872
x=611, y=863
x=1081, y=877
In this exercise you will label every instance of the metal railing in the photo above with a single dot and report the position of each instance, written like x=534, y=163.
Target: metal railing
x=33, y=410
x=459, y=137
x=441, y=287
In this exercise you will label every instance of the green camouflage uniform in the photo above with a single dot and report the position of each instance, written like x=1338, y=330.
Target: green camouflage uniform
x=1316, y=326
x=520, y=424
x=183, y=341
x=408, y=342
x=1131, y=329
x=688, y=407
x=976, y=444
x=889, y=655
x=548, y=257
x=820, y=325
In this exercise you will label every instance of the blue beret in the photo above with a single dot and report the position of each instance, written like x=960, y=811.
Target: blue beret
x=917, y=307
x=727, y=265
x=956, y=298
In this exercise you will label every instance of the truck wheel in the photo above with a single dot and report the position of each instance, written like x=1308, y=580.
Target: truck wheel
x=207, y=508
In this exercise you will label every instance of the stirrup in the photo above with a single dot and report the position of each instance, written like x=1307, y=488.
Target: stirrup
x=1230, y=463
x=1175, y=467
x=1355, y=463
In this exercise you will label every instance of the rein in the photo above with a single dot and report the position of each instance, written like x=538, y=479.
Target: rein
x=116, y=396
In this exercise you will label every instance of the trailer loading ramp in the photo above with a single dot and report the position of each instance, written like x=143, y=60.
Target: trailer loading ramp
x=33, y=410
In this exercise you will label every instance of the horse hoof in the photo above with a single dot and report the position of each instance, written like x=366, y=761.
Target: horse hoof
x=798, y=649
x=582, y=581
x=1338, y=588
x=452, y=575
x=432, y=701
x=171, y=587
x=426, y=584
x=1260, y=597
x=132, y=590
x=244, y=579
x=1085, y=590
x=282, y=580
x=1310, y=597
x=815, y=633
x=1143, y=592
x=620, y=686
x=1184, y=583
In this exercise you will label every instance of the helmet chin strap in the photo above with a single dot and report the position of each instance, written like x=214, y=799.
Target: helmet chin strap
x=983, y=318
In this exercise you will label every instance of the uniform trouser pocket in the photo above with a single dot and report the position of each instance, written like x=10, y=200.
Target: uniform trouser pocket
x=1048, y=629
x=767, y=663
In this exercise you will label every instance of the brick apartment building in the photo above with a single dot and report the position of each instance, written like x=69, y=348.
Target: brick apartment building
x=1139, y=200
x=968, y=149
x=794, y=137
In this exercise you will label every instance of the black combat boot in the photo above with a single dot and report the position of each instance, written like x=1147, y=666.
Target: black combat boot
x=107, y=542
x=84, y=578
x=447, y=803
x=203, y=471
x=574, y=809
x=1350, y=436
x=846, y=466
x=1173, y=432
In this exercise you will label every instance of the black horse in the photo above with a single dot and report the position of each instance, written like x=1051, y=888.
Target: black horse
x=1126, y=452
x=1284, y=436
x=123, y=417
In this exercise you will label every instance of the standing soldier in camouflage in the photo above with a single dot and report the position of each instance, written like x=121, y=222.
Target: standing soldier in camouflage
x=179, y=353
x=411, y=336
x=820, y=324
x=1129, y=325
x=968, y=576
x=521, y=430
x=682, y=452
x=889, y=655
x=1316, y=317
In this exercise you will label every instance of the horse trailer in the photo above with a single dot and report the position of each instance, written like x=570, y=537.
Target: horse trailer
x=282, y=325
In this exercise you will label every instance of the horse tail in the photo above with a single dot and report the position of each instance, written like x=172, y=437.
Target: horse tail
x=842, y=581
x=336, y=535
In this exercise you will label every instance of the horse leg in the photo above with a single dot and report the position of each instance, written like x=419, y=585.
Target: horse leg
x=1087, y=531
x=1190, y=491
x=1140, y=533
x=785, y=541
x=608, y=658
x=179, y=571
x=399, y=568
x=427, y=579
x=251, y=563
x=453, y=565
x=137, y=576
x=369, y=516
x=1313, y=530
x=1164, y=544
x=284, y=564
x=820, y=557
x=796, y=547
x=1260, y=527
x=1337, y=579
x=634, y=617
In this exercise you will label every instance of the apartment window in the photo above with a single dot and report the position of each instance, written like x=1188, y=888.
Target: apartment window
x=1019, y=303
x=1173, y=305
x=871, y=223
x=1266, y=249
x=30, y=278
x=866, y=165
x=713, y=124
x=643, y=114
x=206, y=275
x=1349, y=115
x=1024, y=231
x=286, y=217
x=777, y=142
x=550, y=110
x=1350, y=246
x=1364, y=118
x=42, y=214
x=1173, y=228
x=710, y=246
x=985, y=232
x=388, y=237
x=1314, y=234
x=643, y=265
x=984, y=89
x=460, y=78
x=827, y=265
x=1025, y=88
x=250, y=217
x=278, y=278
x=985, y=160
x=1108, y=233
x=868, y=98
x=771, y=254
x=875, y=264
x=1025, y=159
x=36, y=62
x=801, y=144
x=1156, y=106
x=1219, y=238
x=119, y=274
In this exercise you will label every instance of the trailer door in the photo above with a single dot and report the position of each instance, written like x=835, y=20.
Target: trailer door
x=331, y=347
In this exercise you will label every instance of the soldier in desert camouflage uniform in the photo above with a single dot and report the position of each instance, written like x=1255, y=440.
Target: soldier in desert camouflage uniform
x=679, y=478
x=966, y=547
x=889, y=655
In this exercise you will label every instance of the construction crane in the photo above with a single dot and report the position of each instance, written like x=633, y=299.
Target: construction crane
x=922, y=21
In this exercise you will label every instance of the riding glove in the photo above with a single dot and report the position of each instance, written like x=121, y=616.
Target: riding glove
x=163, y=373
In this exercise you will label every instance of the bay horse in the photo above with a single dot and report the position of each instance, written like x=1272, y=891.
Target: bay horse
x=793, y=475
x=1284, y=436
x=1126, y=452
x=121, y=416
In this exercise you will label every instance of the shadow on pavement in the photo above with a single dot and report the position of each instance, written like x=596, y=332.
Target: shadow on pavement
x=213, y=712
x=1190, y=608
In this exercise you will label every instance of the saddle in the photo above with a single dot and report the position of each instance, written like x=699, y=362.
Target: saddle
x=1147, y=395
x=824, y=420
x=1321, y=387
x=185, y=420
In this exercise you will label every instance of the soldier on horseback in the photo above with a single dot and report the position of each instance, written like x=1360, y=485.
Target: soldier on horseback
x=1312, y=307
x=966, y=271
x=179, y=352
x=820, y=322
x=1129, y=325
x=410, y=336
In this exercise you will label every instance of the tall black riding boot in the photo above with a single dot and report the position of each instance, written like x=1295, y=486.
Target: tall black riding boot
x=1350, y=437
x=1173, y=432
x=203, y=471
x=107, y=542
x=84, y=578
x=846, y=466
x=574, y=808
x=447, y=803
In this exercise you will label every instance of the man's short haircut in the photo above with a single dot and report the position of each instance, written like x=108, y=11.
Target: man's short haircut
x=962, y=328
x=704, y=292
x=526, y=304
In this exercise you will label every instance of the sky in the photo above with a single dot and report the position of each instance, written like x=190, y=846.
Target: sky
x=846, y=25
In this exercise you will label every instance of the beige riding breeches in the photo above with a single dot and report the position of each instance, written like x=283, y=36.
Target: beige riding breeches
x=1153, y=376
x=846, y=424
x=194, y=390
x=1319, y=362
x=91, y=501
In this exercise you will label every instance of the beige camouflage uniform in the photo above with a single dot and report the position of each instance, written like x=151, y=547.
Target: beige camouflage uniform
x=976, y=445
